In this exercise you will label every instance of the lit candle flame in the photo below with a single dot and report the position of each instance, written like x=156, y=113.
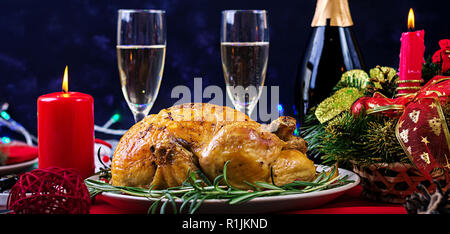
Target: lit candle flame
x=411, y=25
x=65, y=84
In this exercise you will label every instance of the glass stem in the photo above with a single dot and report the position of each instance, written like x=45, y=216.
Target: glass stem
x=246, y=110
x=138, y=116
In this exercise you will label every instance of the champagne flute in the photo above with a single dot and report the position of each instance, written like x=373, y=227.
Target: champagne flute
x=141, y=51
x=244, y=47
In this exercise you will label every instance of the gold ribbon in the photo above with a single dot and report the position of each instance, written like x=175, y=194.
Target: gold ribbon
x=408, y=88
x=409, y=81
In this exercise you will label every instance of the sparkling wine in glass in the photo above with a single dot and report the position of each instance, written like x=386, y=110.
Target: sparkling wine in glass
x=141, y=50
x=244, y=46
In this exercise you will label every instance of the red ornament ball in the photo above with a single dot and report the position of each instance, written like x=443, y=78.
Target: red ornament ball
x=51, y=190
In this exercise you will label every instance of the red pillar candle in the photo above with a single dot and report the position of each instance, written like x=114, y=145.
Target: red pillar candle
x=411, y=59
x=66, y=130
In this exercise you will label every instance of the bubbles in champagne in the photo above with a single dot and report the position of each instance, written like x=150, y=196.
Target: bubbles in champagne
x=244, y=66
x=141, y=69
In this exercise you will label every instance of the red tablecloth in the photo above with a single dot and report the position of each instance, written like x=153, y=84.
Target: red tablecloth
x=349, y=203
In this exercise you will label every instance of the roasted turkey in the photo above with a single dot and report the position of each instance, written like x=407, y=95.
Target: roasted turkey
x=160, y=150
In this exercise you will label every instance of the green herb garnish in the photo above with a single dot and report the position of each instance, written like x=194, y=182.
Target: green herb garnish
x=197, y=188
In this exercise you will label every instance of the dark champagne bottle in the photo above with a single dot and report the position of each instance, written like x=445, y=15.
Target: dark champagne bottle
x=331, y=50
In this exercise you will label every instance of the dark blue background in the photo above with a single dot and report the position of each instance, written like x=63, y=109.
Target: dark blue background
x=38, y=38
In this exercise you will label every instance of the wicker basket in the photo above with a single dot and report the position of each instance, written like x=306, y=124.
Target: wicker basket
x=393, y=182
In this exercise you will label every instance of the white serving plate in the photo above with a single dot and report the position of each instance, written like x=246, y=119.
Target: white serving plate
x=135, y=204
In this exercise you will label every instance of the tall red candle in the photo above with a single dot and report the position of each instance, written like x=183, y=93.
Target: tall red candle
x=66, y=130
x=411, y=58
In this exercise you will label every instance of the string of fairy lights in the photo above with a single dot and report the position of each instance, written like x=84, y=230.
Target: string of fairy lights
x=11, y=124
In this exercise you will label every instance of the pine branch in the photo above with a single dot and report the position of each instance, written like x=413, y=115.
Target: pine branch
x=364, y=139
x=312, y=132
x=430, y=69
x=380, y=140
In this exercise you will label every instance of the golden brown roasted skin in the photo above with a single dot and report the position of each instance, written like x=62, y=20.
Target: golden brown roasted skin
x=159, y=150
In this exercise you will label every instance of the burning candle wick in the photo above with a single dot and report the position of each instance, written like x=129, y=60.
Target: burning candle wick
x=65, y=84
x=411, y=23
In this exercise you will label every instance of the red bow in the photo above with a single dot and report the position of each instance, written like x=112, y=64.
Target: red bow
x=421, y=129
x=442, y=56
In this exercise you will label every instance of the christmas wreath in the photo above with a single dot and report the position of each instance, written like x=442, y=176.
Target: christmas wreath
x=365, y=124
x=340, y=129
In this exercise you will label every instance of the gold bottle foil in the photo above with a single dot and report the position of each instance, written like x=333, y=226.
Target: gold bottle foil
x=337, y=11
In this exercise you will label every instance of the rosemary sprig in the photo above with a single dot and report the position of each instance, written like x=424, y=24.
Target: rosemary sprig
x=196, y=189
